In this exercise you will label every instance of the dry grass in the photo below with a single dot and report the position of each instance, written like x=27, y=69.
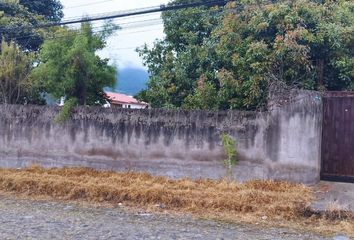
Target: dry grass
x=335, y=210
x=265, y=202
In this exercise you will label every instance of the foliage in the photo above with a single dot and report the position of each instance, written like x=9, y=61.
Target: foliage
x=19, y=18
x=305, y=44
x=178, y=62
x=204, y=97
x=50, y=9
x=230, y=150
x=70, y=67
x=16, y=86
x=66, y=111
x=288, y=41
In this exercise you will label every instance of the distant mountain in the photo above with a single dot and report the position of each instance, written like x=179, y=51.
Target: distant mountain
x=131, y=80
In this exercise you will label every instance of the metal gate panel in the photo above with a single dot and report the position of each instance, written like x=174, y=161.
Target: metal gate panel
x=338, y=138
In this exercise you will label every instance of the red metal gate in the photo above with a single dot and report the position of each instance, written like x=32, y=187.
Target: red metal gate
x=338, y=137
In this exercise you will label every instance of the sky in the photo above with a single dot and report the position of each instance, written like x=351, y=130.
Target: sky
x=135, y=32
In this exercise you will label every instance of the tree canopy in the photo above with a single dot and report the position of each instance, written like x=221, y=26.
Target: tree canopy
x=227, y=57
x=178, y=61
x=18, y=20
x=15, y=68
x=50, y=9
x=69, y=67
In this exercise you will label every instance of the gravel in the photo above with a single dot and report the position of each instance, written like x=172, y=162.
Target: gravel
x=25, y=219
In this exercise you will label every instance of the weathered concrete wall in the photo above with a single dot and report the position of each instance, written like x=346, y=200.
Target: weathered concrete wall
x=281, y=144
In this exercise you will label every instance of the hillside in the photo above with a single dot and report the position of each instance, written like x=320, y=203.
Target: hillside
x=131, y=80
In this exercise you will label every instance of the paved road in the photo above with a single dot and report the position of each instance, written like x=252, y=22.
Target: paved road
x=341, y=194
x=23, y=219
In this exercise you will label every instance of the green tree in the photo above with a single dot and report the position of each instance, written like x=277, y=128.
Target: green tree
x=301, y=43
x=306, y=44
x=69, y=65
x=18, y=20
x=52, y=10
x=15, y=68
x=177, y=62
x=205, y=96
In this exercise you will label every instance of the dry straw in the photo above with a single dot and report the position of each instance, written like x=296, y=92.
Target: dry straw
x=278, y=202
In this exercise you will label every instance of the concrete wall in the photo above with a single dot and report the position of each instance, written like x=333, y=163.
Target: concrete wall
x=281, y=144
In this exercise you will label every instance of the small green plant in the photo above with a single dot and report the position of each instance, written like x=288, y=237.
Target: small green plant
x=66, y=111
x=230, y=150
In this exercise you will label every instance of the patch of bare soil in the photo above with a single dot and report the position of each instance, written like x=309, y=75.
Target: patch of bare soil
x=258, y=202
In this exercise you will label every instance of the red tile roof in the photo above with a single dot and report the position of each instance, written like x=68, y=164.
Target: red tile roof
x=120, y=98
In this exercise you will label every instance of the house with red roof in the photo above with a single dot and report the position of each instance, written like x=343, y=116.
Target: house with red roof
x=120, y=100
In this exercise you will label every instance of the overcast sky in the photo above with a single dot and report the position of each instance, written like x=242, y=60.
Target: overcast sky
x=136, y=31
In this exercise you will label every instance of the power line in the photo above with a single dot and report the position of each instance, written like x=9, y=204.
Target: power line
x=142, y=11
x=210, y=12
x=128, y=19
x=111, y=13
x=136, y=12
x=99, y=29
x=105, y=14
x=145, y=23
x=88, y=4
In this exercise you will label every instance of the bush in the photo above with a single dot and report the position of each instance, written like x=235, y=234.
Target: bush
x=66, y=111
x=230, y=150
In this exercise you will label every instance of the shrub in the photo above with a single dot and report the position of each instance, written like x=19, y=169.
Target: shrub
x=230, y=150
x=66, y=111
